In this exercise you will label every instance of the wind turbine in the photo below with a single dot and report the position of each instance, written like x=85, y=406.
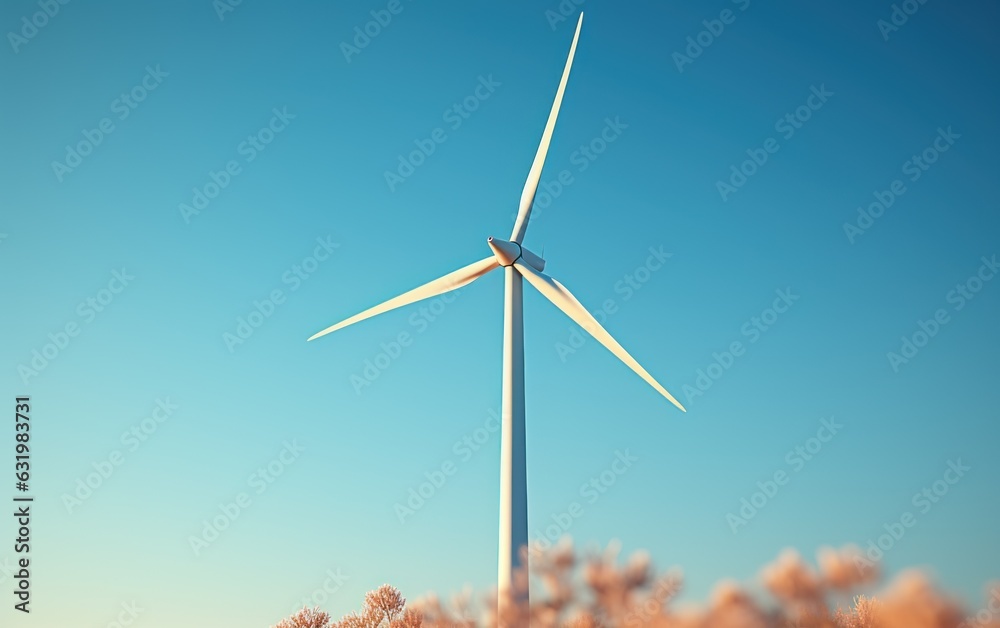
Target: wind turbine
x=518, y=263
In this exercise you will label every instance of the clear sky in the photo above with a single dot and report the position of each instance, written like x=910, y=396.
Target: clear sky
x=113, y=258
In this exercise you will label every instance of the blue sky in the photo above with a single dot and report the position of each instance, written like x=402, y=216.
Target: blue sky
x=305, y=216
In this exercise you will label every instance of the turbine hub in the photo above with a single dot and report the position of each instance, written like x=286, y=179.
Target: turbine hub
x=506, y=252
x=509, y=252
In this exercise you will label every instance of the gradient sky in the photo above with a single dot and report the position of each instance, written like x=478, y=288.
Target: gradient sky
x=323, y=176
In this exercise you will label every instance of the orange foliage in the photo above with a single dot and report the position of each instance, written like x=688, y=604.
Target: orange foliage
x=597, y=592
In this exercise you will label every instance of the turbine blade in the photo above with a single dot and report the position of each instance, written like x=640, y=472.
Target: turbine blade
x=565, y=301
x=452, y=281
x=535, y=174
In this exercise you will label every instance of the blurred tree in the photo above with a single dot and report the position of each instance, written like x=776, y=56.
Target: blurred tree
x=598, y=592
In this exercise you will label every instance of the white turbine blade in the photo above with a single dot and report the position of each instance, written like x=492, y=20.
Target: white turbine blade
x=452, y=281
x=565, y=301
x=535, y=174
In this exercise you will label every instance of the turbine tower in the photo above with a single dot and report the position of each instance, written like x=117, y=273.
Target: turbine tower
x=518, y=263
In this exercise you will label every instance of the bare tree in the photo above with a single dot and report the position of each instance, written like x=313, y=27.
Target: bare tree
x=385, y=607
x=306, y=618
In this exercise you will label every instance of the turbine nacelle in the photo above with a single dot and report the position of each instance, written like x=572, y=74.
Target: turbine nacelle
x=509, y=252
